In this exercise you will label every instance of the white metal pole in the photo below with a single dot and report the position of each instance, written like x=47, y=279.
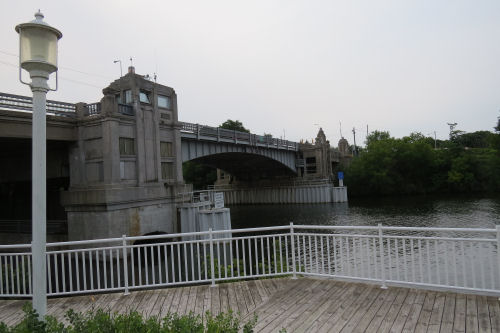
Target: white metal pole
x=292, y=240
x=39, y=88
x=212, y=264
x=382, y=261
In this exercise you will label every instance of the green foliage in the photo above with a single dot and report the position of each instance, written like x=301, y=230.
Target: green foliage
x=410, y=165
x=263, y=266
x=376, y=136
x=132, y=322
x=234, y=125
x=199, y=175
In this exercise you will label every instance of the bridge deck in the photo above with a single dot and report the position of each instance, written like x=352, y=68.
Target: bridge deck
x=303, y=305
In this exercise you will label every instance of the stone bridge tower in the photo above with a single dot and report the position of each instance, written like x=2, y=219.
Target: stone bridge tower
x=126, y=167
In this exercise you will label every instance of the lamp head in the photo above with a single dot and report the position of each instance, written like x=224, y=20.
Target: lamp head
x=38, y=45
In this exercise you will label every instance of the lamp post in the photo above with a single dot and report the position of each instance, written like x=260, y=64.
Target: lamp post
x=38, y=56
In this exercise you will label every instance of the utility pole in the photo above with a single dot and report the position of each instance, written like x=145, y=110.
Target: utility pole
x=354, y=133
x=435, y=141
x=452, y=128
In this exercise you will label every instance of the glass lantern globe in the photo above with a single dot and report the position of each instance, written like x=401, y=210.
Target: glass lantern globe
x=38, y=45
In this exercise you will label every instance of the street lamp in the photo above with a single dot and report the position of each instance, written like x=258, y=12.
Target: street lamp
x=38, y=56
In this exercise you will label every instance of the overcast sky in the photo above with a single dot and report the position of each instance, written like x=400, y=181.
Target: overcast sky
x=283, y=67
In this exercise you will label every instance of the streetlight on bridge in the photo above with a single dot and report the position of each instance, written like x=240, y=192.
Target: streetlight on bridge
x=38, y=56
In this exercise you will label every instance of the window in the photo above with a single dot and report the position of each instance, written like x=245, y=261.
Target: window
x=166, y=149
x=311, y=165
x=164, y=102
x=167, y=170
x=127, y=146
x=128, y=96
x=143, y=97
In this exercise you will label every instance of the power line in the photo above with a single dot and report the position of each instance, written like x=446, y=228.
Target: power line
x=61, y=77
x=65, y=68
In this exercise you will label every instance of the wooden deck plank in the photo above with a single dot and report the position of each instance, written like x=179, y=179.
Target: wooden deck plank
x=231, y=298
x=393, y=312
x=437, y=314
x=331, y=307
x=184, y=298
x=303, y=309
x=215, y=304
x=158, y=307
x=425, y=313
x=192, y=299
x=240, y=298
x=342, y=314
x=494, y=310
x=363, y=310
x=336, y=295
x=413, y=316
x=471, y=322
x=448, y=313
x=207, y=300
x=200, y=297
x=344, y=319
x=302, y=305
x=483, y=315
x=404, y=311
x=280, y=304
x=460, y=313
x=279, y=297
x=374, y=317
x=224, y=302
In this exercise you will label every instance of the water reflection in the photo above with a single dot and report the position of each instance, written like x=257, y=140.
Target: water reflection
x=419, y=211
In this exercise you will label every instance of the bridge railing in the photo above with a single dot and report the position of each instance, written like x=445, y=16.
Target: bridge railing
x=24, y=103
x=452, y=259
x=208, y=133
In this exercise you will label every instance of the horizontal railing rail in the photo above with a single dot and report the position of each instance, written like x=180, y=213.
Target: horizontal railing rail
x=452, y=259
x=24, y=103
x=208, y=133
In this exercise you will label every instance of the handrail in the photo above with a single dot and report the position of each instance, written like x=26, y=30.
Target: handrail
x=452, y=259
x=208, y=133
x=24, y=103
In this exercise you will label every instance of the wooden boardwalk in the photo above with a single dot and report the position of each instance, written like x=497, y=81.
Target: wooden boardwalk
x=302, y=305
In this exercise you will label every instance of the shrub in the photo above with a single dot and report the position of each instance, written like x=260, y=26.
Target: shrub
x=104, y=321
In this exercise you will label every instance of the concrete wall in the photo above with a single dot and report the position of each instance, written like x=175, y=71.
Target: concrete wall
x=286, y=195
x=133, y=221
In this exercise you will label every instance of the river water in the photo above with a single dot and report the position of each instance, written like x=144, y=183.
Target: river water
x=415, y=211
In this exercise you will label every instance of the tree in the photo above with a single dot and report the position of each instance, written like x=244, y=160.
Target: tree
x=377, y=136
x=235, y=125
x=199, y=175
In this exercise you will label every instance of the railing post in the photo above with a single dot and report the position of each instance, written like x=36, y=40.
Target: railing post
x=125, y=263
x=218, y=134
x=498, y=252
x=382, y=261
x=212, y=264
x=198, y=131
x=235, y=137
x=292, y=240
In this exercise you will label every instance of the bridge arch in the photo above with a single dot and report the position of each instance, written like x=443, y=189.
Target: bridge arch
x=241, y=160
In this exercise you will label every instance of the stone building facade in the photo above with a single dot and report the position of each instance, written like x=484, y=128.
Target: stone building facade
x=126, y=167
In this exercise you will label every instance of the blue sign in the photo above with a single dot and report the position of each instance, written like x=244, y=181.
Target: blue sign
x=341, y=175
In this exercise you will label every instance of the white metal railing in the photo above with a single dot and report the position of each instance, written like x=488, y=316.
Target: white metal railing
x=208, y=133
x=24, y=103
x=454, y=259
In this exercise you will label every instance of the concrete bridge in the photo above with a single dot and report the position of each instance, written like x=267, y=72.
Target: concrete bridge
x=115, y=167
